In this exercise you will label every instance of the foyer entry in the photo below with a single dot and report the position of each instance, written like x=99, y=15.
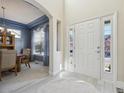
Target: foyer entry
x=87, y=49
x=92, y=48
x=84, y=41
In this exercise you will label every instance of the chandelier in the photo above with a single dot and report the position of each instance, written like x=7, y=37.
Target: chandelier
x=3, y=16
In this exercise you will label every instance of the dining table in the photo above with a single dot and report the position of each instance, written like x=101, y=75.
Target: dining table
x=18, y=61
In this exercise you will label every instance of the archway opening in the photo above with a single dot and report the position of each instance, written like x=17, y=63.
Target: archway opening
x=32, y=31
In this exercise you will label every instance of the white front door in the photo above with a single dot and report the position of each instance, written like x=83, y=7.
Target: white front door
x=87, y=48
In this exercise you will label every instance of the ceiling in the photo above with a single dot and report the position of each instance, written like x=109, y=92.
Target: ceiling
x=20, y=11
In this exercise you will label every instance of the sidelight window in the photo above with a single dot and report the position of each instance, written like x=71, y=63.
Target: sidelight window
x=107, y=46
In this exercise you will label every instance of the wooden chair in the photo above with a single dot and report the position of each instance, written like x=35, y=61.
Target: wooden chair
x=7, y=61
x=26, y=57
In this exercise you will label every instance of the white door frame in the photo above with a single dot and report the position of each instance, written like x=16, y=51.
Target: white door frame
x=52, y=22
x=88, y=32
x=115, y=30
x=114, y=47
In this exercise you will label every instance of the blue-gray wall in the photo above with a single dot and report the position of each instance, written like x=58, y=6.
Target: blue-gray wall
x=27, y=36
x=25, y=40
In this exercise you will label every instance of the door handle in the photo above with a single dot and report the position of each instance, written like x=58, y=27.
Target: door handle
x=98, y=47
x=98, y=52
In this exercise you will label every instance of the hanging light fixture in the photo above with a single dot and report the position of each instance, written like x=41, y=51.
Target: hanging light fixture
x=3, y=11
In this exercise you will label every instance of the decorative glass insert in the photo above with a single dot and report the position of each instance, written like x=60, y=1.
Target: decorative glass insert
x=71, y=41
x=107, y=67
x=107, y=39
x=107, y=46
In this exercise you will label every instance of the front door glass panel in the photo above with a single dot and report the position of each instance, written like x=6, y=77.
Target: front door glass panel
x=107, y=46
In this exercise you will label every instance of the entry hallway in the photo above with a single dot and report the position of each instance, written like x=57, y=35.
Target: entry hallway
x=65, y=82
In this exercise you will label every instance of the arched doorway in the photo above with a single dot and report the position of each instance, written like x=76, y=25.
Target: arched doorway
x=40, y=7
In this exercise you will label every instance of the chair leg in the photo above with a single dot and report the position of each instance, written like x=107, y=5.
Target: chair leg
x=16, y=70
x=29, y=65
x=0, y=76
x=26, y=64
x=0, y=72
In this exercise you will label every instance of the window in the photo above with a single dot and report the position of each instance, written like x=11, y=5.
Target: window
x=38, y=41
x=107, y=39
x=107, y=45
x=71, y=41
x=15, y=32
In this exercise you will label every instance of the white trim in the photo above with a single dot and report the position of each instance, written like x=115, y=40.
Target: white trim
x=106, y=76
x=114, y=49
x=101, y=46
x=118, y=84
x=115, y=43
x=100, y=36
x=91, y=18
x=72, y=63
x=114, y=15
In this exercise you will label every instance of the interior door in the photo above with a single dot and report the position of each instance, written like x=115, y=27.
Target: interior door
x=87, y=48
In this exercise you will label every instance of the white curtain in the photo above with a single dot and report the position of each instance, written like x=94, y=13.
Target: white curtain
x=38, y=39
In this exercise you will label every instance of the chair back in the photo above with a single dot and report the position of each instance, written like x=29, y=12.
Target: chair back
x=27, y=52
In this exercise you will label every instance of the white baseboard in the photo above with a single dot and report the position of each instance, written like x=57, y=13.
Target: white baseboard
x=119, y=84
